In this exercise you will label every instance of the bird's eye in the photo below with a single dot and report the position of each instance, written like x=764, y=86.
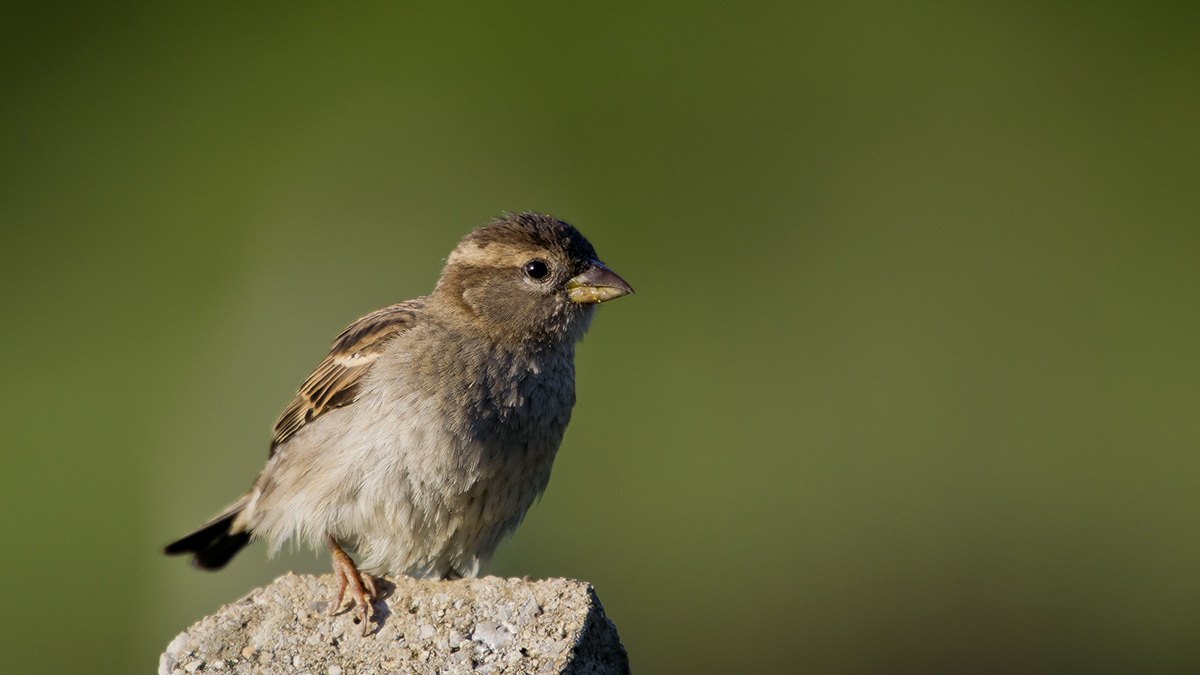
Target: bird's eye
x=536, y=269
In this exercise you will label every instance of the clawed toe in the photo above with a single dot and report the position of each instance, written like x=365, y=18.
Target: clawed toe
x=359, y=583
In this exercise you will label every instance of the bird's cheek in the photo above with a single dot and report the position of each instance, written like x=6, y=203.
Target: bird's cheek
x=493, y=306
x=470, y=300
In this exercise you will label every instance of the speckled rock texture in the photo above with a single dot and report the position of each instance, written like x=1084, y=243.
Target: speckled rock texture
x=488, y=625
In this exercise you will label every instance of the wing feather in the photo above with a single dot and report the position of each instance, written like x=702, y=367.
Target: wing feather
x=336, y=380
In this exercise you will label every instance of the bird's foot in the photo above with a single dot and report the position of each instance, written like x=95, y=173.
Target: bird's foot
x=349, y=577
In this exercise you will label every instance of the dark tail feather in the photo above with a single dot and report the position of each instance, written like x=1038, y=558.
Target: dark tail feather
x=213, y=544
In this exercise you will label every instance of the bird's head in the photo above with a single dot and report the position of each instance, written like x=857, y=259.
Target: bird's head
x=527, y=277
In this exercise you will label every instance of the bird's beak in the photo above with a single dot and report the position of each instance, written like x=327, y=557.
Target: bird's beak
x=596, y=285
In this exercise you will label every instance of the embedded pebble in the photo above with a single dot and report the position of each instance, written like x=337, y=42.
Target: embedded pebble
x=529, y=609
x=492, y=634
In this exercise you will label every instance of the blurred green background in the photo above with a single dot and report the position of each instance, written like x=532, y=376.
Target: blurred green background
x=910, y=382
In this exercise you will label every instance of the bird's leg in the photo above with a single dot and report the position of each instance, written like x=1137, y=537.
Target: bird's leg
x=349, y=576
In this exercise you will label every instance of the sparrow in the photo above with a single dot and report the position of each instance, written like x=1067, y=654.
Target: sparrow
x=421, y=440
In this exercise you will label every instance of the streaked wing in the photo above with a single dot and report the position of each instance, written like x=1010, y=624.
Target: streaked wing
x=336, y=380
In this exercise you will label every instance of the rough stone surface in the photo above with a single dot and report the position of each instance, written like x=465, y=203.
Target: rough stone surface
x=488, y=625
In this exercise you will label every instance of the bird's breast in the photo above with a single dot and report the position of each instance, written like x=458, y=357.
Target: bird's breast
x=475, y=411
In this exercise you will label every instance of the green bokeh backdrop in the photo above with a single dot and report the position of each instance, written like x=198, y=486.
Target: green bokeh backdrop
x=910, y=382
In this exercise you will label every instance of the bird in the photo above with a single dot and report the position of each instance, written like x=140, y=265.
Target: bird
x=421, y=440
